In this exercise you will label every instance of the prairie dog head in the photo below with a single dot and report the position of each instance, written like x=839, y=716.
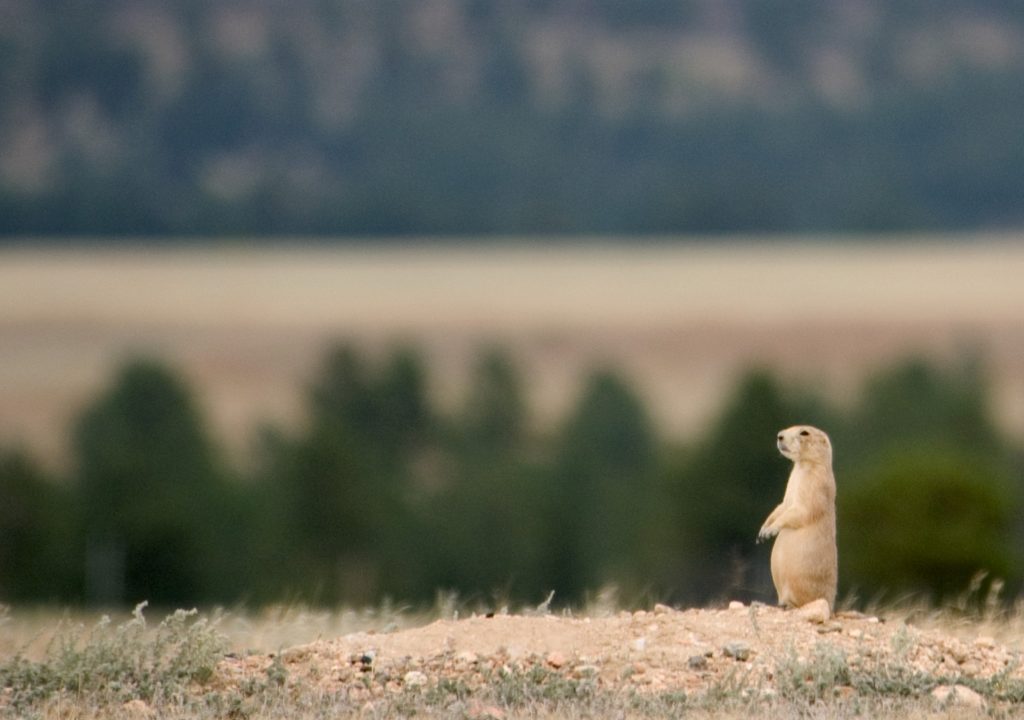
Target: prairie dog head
x=803, y=443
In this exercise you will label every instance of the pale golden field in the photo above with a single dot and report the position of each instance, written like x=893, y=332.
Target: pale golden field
x=248, y=326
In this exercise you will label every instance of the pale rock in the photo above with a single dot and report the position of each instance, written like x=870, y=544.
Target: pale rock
x=660, y=609
x=138, y=709
x=414, y=678
x=736, y=605
x=466, y=657
x=555, y=659
x=958, y=695
x=956, y=651
x=817, y=611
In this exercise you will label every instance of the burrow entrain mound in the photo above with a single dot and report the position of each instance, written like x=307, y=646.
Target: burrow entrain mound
x=663, y=650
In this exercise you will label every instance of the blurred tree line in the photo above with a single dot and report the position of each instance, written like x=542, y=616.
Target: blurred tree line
x=378, y=494
x=347, y=117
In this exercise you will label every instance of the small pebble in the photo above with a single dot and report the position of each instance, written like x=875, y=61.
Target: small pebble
x=737, y=650
x=697, y=662
x=414, y=678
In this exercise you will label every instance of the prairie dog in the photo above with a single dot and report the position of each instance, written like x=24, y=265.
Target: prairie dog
x=804, y=559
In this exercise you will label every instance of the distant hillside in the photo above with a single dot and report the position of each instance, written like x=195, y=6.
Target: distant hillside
x=366, y=117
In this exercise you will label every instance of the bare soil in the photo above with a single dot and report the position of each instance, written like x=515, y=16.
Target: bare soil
x=753, y=649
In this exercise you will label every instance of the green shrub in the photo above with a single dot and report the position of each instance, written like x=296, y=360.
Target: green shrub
x=151, y=487
x=926, y=520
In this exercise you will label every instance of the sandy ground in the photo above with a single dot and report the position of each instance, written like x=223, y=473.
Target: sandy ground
x=249, y=326
x=661, y=651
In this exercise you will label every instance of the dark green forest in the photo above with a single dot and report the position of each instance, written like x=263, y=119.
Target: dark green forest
x=178, y=118
x=377, y=494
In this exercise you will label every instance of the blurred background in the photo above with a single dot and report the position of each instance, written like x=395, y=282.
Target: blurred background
x=334, y=301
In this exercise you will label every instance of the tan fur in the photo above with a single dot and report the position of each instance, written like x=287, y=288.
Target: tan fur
x=804, y=560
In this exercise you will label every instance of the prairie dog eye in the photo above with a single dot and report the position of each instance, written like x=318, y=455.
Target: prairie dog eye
x=804, y=433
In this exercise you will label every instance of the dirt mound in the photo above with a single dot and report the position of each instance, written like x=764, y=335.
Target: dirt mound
x=761, y=649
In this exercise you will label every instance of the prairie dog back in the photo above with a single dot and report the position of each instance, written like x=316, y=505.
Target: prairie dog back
x=804, y=558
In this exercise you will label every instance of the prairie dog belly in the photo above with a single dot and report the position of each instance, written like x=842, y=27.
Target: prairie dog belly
x=804, y=566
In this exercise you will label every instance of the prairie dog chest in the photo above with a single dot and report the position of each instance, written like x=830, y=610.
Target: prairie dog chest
x=811, y=487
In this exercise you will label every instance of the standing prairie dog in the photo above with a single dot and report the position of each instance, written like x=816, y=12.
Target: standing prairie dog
x=804, y=558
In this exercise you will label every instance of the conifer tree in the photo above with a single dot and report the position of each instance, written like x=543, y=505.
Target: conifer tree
x=149, y=480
